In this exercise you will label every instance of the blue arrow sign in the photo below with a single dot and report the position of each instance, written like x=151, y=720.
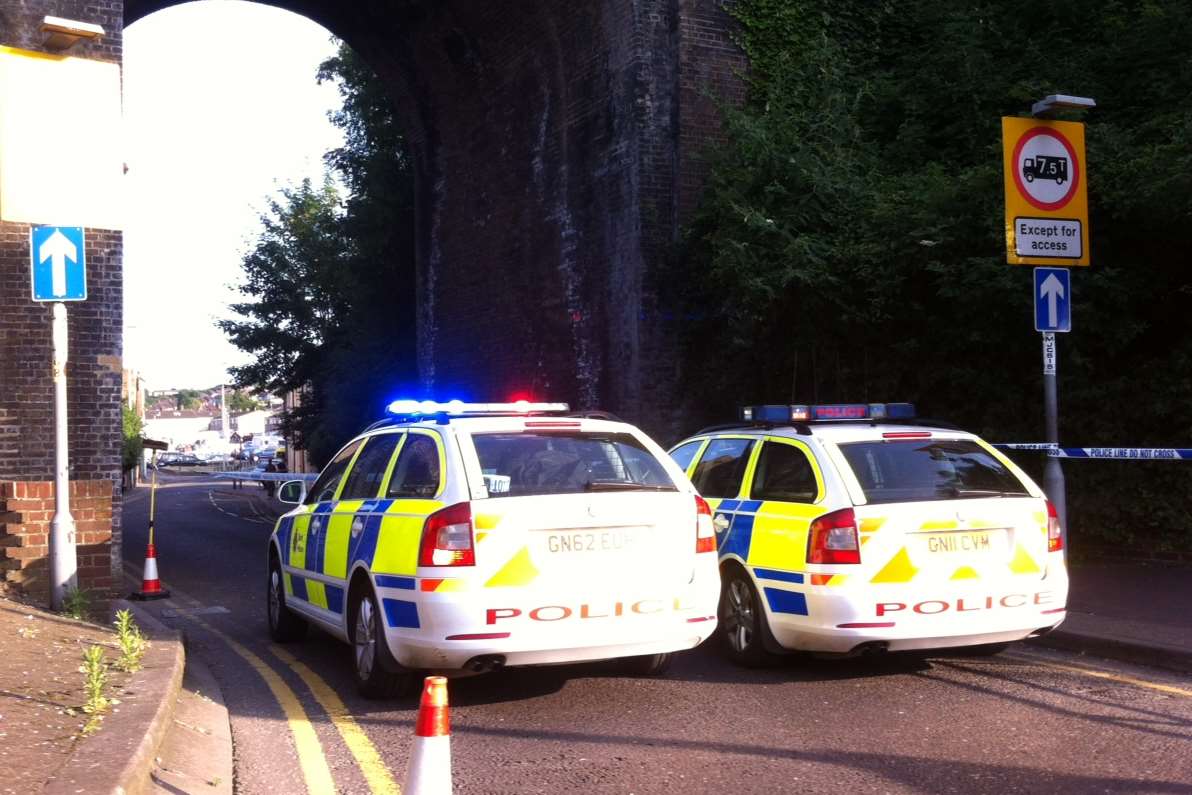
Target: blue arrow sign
x=1053, y=300
x=58, y=263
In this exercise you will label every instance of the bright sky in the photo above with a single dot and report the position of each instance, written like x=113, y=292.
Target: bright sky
x=221, y=108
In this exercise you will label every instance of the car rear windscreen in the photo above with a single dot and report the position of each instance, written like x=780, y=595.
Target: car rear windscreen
x=567, y=462
x=912, y=470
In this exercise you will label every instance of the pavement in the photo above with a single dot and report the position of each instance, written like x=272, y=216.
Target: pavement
x=1137, y=612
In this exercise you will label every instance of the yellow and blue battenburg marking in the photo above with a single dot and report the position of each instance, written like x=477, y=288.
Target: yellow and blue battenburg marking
x=738, y=539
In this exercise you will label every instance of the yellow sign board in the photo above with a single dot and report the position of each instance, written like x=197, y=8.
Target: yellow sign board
x=60, y=148
x=1046, y=181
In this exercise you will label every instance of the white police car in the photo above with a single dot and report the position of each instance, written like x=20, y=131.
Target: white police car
x=468, y=537
x=850, y=528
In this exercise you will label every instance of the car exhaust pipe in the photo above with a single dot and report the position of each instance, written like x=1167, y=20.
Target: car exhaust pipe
x=485, y=663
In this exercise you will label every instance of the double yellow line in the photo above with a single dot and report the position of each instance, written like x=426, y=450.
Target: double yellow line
x=313, y=762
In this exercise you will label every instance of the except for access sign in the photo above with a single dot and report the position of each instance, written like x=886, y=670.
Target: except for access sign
x=58, y=263
x=1046, y=192
x=1053, y=300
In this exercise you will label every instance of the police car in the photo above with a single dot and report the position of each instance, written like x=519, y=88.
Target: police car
x=467, y=537
x=845, y=529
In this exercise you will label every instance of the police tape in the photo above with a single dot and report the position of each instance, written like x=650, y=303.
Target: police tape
x=278, y=476
x=1119, y=453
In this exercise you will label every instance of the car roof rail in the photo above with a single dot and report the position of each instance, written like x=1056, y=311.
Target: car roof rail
x=799, y=427
x=594, y=414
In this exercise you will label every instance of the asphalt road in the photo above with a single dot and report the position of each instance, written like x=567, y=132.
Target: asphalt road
x=1026, y=721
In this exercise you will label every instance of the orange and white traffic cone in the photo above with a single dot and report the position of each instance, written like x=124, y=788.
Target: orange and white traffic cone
x=429, y=772
x=150, y=584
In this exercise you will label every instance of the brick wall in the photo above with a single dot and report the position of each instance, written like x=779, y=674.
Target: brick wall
x=26, y=510
x=93, y=368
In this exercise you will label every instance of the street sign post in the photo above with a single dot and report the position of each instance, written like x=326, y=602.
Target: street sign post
x=59, y=265
x=1053, y=300
x=59, y=273
x=1047, y=212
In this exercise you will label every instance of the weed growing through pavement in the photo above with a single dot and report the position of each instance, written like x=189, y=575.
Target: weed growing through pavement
x=95, y=679
x=76, y=603
x=132, y=642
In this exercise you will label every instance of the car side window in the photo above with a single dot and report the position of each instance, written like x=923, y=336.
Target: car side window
x=324, y=488
x=722, y=467
x=685, y=452
x=783, y=473
x=364, y=481
x=416, y=473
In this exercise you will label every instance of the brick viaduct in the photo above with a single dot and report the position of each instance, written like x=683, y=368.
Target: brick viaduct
x=557, y=148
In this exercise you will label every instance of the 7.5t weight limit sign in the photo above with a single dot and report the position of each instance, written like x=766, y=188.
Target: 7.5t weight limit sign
x=1046, y=195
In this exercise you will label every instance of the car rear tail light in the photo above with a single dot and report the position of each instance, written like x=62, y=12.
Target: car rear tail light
x=833, y=538
x=705, y=534
x=447, y=538
x=1055, y=536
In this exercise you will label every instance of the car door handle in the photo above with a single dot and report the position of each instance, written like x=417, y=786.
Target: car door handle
x=720, y=521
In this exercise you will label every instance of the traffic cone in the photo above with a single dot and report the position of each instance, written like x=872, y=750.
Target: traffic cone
x=429, y=772
x=150, y=584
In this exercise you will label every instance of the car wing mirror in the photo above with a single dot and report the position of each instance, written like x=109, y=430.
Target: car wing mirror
x=292, y=492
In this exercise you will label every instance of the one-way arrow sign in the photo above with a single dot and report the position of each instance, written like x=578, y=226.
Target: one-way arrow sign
x=59, y=263
x=1053, y=300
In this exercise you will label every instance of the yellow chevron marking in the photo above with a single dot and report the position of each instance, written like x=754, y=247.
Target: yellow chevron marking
x=481, y=535
x=487, y=521
x=965, y=573
x=518, y=571
x=943, y=524
x=865, y=539
x=871, y=525
x=899, y=569
x=1023, y=563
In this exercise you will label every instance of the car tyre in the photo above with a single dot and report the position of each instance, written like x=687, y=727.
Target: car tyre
x=649, y=664
x=378, y=675
x=284, y=626
x=742, y=621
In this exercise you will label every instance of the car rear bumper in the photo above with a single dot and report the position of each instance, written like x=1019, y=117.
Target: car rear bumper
x=454, y=630
x=848, y=622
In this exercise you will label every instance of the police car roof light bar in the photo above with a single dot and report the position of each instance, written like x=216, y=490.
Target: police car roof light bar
x=783, y=415
x=412, y=408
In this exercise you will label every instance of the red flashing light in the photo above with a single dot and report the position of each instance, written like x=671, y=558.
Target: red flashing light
x=907, y=435
x=447, y=538
x=833, y=538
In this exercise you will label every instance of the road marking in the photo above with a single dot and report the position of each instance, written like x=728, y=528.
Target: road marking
x=380, y=780
x=310, y=752
x=258, y=519
x=1103, y=674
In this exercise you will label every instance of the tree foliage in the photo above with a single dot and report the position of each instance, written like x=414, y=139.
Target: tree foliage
x=850, y=244
x=328, y=284
x=132, y=446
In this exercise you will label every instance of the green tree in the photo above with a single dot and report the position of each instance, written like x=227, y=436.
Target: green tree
x=131, y=448
x=329, y=301
x=188, y=399
x=850, y=244
x=240, y=402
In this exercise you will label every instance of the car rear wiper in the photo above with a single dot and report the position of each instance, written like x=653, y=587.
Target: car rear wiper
x=960, y=493
x=623, y=485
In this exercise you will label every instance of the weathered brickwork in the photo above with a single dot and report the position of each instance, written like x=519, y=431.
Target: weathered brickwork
x=558, y=148
x=26, y=510
x=93, y=367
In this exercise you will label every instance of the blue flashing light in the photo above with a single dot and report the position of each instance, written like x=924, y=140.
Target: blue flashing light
x=415, y=408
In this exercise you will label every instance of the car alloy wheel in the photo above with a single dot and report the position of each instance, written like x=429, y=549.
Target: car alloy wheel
x=740, y=614
x=365, y=639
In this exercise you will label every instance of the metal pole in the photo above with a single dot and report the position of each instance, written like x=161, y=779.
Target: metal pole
x=64, y=566
x=1053, y=472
